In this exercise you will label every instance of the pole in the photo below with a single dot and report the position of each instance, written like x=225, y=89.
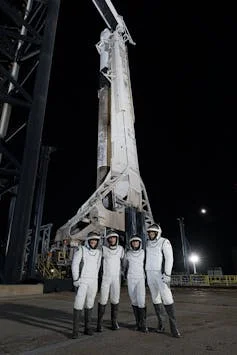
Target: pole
x=184, y=246
x=39, y=205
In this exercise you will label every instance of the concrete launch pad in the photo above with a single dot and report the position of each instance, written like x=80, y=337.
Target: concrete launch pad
x=41, y=324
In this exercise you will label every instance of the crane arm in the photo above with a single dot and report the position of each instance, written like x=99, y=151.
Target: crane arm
x=112, y=19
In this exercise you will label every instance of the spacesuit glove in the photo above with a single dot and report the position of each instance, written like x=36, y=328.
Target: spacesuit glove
x=166, y=278
x=76, y=283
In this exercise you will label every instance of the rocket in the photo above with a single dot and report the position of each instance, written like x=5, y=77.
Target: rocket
x=120, y=193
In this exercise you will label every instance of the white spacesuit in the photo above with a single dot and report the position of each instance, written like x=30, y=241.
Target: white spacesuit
x=112, y=255
x=158, y=266
x=134, y=268
x=85, y=268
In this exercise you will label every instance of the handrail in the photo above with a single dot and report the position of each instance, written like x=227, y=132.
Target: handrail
x=203, y=280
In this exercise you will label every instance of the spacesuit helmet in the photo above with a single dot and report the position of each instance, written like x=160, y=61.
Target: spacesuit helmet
x=134, y=238
x=110, y=238
x=154, y=231
x=91, y=237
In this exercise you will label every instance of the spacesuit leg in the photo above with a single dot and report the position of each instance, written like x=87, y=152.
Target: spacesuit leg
x=114, y=316
x=133, y=299
x=104, y=291
x=168, y=302
x=141, y=300
x=100, y=314
x=89, y=304
x=78, y=306
x=165, y=292
x=159, y=309
x=142, y=317
x=136, y=315
x=132, y=291
x=115, y=290
x=88, y=314
x=154, y=287
x=103, y=299
x=81, y=296
x=91, y=293
x=114, y=297
x=172, y=320
x=77, y=315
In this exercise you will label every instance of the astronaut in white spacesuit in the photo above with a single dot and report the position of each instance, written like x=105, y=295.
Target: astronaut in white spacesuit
x=112, y=256
x=85, y=268
x=134, y=268
x=158, y=266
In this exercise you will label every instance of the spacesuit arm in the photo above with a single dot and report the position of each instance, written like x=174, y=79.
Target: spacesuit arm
x=168, y=256
x=76, y=264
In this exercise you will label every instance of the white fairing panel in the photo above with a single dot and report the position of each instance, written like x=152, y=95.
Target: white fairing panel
x=124, y=151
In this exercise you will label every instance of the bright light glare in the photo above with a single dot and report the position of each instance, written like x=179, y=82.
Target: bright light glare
x=194, y=258
x=203, y=211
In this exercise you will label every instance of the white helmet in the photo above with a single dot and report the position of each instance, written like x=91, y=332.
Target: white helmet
x=155, y=228
x=90, y=236
x=135, y=237
x=93, y=235
x=110, y=234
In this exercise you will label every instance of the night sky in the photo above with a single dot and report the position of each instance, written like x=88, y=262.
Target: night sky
x=183, y=76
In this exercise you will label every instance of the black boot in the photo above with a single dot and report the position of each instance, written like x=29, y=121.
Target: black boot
x=76, y=322
x=136, y=314
x=114, y=316
x=173, y=327
x=161, y=317
x=142, y=313
x=101, y=311
x=88, y=314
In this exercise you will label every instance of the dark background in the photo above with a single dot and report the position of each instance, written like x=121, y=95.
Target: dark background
x=183, y=76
